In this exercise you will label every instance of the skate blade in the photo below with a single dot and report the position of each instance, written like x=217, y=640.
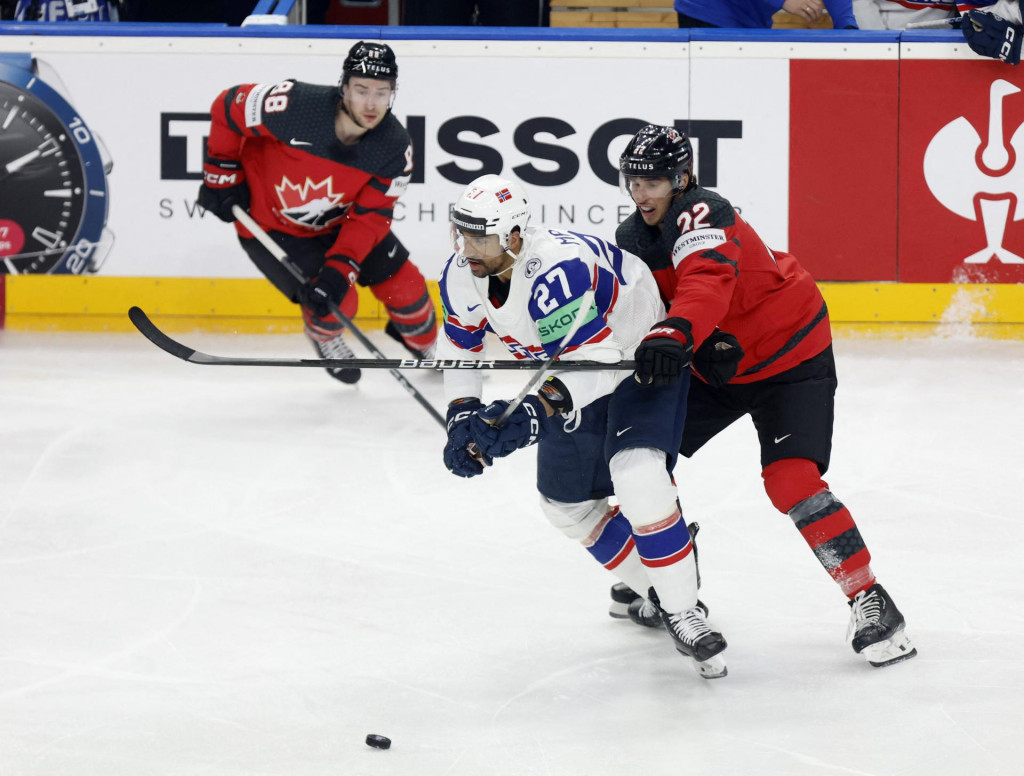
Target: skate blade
x=712, y=668
x=618, y=611
x=891, y=651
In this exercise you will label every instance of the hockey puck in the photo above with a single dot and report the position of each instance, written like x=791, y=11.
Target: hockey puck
x=378, y=742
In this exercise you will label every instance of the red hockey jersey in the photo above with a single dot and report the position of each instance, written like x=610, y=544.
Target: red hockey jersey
x=302, y=179
x=714, y=271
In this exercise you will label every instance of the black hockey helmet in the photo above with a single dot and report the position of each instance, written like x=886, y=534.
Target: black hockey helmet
x=658, y=152
x=370, y=60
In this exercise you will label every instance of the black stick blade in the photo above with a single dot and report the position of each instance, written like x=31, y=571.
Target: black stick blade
x=150, y=331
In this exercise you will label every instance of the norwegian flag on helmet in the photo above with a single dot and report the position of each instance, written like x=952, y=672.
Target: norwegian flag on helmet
x=504, y=195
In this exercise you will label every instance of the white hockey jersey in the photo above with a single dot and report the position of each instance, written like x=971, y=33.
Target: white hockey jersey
x=554, y=269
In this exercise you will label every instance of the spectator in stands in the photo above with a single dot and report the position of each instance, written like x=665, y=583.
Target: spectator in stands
x=66, y=11
x=231, y=12
x=757, y=14
x=896, y=15
x=460, y=13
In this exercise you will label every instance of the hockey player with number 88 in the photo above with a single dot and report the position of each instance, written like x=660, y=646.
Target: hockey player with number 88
x=598, y=433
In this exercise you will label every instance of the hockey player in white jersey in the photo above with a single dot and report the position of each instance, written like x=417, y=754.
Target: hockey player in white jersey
x=599, y=433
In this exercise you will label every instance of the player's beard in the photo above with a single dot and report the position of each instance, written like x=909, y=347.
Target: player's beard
x=355, y=120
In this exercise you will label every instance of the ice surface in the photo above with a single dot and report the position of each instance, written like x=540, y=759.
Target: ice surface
x=228, y=571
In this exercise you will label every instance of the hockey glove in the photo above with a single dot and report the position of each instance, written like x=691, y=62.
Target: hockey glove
x=457, y=458
x=223, y=187
x=524, y=427
x=992, y=36
x=664, y=353
x=718, y=358
x=330, y=286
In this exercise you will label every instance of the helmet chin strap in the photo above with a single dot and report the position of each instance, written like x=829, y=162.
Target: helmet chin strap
x=510, y=266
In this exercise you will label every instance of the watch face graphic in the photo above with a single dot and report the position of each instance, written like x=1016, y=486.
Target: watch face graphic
x=53, y=207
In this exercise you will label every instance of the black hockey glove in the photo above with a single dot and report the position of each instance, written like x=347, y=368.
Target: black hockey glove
x=524, y=427
x=718, y=358
x=664, y=353
x=992, y=36
x=330, y=286
x=457, y=458
x=223, y=187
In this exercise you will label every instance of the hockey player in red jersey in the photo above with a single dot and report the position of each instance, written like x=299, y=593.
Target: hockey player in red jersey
x=722, y=286
x=320, y=168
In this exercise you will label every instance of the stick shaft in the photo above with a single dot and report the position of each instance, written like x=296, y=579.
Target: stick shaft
x=279, y=253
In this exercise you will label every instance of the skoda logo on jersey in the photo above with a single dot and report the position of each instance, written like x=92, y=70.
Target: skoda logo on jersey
x=532, y=267
x=955, y=177
x=309, y=204
x=461, y=261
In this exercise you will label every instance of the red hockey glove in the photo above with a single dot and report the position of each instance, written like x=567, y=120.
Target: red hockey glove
x=664, y=353
x=223, y=187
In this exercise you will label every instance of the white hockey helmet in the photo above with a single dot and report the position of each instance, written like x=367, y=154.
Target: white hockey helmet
x=490, y=205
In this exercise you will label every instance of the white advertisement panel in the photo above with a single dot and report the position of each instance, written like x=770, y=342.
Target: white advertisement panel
x=554, y=115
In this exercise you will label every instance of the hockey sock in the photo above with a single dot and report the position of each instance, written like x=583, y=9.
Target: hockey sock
x=795, y=487
x=611, y=543
x=605, y=534
x=409, y=306
x=666, y=552
x=647, y=494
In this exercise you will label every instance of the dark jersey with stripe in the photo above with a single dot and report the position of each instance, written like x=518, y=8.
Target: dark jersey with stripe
x=302, y=179
x=713, y=270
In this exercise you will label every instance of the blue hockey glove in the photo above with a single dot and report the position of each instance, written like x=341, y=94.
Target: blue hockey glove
x=524, y=427
x=664, y=353
x=992, y=36
x=457, y=458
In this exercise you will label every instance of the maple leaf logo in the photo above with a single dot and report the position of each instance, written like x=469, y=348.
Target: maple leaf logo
x=309, y=204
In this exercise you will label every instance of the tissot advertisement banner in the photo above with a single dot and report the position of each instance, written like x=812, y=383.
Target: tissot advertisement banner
x=961, y=172
x=859, y=166
x=556, y=123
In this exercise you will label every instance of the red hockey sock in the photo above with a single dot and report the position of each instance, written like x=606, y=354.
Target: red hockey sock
x=795, y=487
x=409, y=306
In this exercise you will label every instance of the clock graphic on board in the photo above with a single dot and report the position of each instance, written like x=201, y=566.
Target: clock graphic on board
x=53, y=176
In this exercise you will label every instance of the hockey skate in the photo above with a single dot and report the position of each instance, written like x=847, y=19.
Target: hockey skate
x=694, y=638
x=877, y=628
x=336, y=347
x=629, y=604
x=392, y=331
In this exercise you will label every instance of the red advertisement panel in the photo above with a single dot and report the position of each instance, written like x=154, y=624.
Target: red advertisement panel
x=842, y=179
x=961, y=183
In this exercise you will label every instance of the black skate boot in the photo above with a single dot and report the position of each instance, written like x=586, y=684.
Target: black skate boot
x=877, y=628
x=392, y=331
x=643, y=611
x=694, y=638
x=622, y=596
x=336, y=347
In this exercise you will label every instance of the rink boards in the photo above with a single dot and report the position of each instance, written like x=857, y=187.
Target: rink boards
x=886, y=163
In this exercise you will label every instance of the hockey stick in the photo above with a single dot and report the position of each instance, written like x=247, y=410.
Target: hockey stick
x=952, y=23
x=278, y=253
x=154, y=334
x=586, y=301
